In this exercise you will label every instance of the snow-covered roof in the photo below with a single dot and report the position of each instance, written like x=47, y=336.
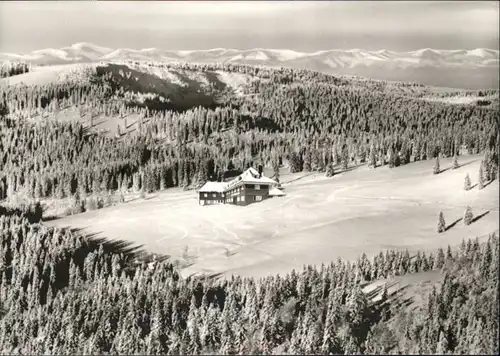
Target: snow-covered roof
x=218, y=187
x=275, y=192
x=249, y=176
x=251, y=171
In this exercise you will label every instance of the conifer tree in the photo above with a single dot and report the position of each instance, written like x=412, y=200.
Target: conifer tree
x=295, y=163
x=372, y=158
x=276, y=170
x=467, y=183
x=480, y=183
x=384, y=293
x=441, y=223
x=487, y=166
x=307, y=161
x=345, y=157
x=455, y=162
x=91, y=204
x=436, y=169
x=439, y=262
x=442, y=346
x=329, y=170
x=392, y=157
x=468, y=216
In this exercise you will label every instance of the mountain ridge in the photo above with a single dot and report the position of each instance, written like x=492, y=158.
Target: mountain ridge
x=461, y=68
x=92, y=51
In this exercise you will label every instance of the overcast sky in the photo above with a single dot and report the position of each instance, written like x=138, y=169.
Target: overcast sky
x=302, y=26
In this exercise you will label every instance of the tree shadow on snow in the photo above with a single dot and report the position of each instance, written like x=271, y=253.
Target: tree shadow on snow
x=111, y=246
x=466, y=163
x=91, y=244
x=351, y=168
x=488, y=183
x=444, y=170
x=133, y=199
x=380, y=310
x=479, y=216
x=453, y=224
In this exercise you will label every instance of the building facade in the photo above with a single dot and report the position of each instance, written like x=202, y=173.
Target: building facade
x=249, y=187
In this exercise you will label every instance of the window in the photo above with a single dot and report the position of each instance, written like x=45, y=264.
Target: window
x=214, y=195
x=259, y=197
x=205, y=195
x=257, y=187
x=243, y=198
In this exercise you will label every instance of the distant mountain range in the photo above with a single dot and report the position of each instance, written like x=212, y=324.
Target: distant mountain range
x=472, y=69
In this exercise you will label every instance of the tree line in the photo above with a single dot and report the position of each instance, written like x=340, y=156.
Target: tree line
x=9, y=68
x=64, y=293
x=307, y=120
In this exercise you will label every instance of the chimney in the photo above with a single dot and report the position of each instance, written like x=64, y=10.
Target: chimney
x=260, y=170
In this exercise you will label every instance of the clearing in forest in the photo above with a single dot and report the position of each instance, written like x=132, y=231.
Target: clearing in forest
x=320, y=219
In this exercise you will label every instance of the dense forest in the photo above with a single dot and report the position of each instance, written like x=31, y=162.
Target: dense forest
x=8, y=69
x=309, y=120
x=63, y=293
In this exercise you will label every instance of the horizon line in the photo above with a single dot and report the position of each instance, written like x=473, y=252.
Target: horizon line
x=112, y=49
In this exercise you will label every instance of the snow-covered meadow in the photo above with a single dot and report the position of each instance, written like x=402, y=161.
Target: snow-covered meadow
x=320, y=219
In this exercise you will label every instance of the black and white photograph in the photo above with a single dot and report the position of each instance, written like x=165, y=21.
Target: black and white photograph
x=249, y=177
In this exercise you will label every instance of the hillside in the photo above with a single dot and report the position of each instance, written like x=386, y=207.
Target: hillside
x=470, y=69
x=102, y=235
x=176, y=125
x=320, y=219
x=140, y=85
x=197, y=85
x=58, y=279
